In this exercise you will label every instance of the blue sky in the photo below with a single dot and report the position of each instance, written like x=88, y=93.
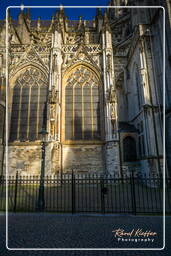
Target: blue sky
x=47, y=13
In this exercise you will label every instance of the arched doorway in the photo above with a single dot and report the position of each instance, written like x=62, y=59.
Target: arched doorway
x=129, y=149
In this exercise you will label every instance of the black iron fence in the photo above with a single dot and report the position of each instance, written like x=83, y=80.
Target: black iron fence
x=79, y=193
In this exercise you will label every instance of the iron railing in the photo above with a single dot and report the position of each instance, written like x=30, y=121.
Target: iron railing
x=94, y=193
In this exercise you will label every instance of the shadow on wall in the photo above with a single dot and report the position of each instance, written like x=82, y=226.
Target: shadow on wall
x=79, y=156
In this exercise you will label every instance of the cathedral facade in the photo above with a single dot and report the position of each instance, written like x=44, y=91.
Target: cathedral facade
x=96, y=86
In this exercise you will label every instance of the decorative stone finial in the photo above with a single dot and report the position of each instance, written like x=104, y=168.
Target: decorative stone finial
x=22, y=7
x=38, y=24
x=99, y=13
x=28, y=14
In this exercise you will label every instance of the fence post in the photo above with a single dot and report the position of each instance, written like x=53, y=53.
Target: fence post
x=15, y=192
x=73, y=192
x=133, y=193
x=102, y=194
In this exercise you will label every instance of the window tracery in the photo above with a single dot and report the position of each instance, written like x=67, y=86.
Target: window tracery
x=29, y=97
x=82, y=105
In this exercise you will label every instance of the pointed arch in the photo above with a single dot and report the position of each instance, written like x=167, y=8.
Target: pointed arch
x=81, y=93
x=84, y=64
x=14, y=73
x=29, y=95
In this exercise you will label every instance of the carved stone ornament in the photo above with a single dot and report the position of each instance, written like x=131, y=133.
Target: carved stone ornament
x=112, y=95
x=113, y=116
x=52, y=111
x=52, y=119
x=52, y=100
x=30, y=56
x=113, y=101
x=119, y=80
x=109, y=64
x=53, y=96
x=81, y=54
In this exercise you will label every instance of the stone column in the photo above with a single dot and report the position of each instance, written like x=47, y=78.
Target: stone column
x=111, y=127
x=54, y=104
x=151, y=105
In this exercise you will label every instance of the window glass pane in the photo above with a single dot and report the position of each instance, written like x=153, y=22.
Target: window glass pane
x=33, y=112
x=24, y=116
x=86, y=106
x=69, y=113
x=96, y=112
x=14, y=114
x=87, y=113
x=42, y=104
x=24, y=113
x=78, y=113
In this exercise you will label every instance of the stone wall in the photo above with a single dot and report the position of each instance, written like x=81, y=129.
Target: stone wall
x=112, y=157
x=82, y=158
x=52, y=162
x=24, y=159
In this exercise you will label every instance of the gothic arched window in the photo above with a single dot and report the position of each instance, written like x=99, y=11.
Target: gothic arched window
x=129, y=149
x=29, y=97
x=82, y=105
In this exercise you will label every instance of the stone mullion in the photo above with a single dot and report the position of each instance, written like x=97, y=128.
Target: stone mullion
x=82, y=96
x=38, y=110
x=83, y=112
x=19, y=114
x=73, y=112
x=28, y=115
x=92, y=117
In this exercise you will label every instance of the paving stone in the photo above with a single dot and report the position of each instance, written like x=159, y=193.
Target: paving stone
x=78, y=231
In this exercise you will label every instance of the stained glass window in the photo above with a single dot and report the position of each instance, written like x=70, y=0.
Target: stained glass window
x=82, y=105
x=29, y=97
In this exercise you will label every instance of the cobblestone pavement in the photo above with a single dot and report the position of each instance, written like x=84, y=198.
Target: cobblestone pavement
x=80, y=231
